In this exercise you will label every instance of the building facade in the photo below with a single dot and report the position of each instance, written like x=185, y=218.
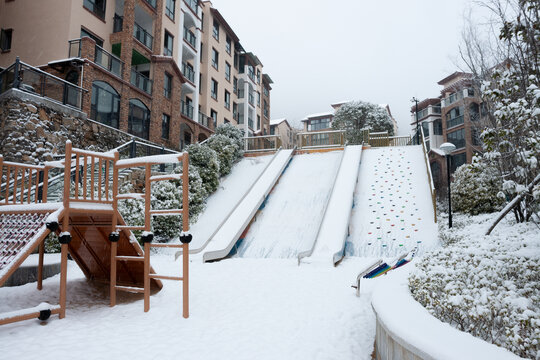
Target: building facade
x=286, y=133
x=149, y=66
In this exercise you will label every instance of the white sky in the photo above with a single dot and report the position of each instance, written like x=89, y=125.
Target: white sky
x=320, y=52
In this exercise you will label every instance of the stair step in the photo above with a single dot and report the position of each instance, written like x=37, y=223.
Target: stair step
x=165, y=277
x=166, y=212
x=127, y=227
x=129, y=258
x=130, y=289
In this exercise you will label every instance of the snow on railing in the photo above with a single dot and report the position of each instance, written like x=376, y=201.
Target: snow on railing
x=321, y=139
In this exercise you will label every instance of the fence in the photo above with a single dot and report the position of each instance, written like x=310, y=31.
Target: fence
x=30, y=79
x=381, y=139
x=321, y=139
x=262, y=143
x=23, y=183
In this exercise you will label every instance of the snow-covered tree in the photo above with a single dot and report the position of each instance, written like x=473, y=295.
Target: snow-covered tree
x=355, y=116
x=476, y=188
x=226, y=149
x=206, y=161
x=235, y=134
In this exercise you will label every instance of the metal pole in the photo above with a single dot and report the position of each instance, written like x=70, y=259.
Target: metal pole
x=416, y=115
x=16, y=71
x=133, y=149
x=449, y=198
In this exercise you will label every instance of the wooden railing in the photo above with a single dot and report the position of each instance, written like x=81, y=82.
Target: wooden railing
x=430, y=176
x=381, y=139
x=23, y=184
x=262, y=143
x=321, y=139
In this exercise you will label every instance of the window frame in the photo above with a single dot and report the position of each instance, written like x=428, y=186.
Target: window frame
x=98, y=14
x=214, y=88
x=166, y=50
x=167, y=124
x=227, y=100
x=215, y=61
x=215, y=30
x=168, y=11
x=228, y=70
x=5, y=38
x=167, y=78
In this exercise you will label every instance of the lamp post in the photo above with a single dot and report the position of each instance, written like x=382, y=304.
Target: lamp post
x=448, y=148
x=415, y=101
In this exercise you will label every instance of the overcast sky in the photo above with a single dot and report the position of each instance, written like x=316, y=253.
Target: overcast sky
x=321, y=52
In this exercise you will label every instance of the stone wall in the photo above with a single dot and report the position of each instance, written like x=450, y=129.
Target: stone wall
x=33, y=129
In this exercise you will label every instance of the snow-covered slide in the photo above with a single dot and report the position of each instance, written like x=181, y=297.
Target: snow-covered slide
x=221, y=204
x=291, y=216
x=229, y=232
x=334, y=229
x=393, y=209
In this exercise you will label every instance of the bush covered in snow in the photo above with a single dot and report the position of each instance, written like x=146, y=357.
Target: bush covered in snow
x=355, y=116
x=52, y=245
x=477, y=188
x=235, y=134
x=488, y=286
x=206, y=161
x=226, y=150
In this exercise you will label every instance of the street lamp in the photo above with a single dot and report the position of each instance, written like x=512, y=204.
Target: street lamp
x=448, y=148
x=415, y=100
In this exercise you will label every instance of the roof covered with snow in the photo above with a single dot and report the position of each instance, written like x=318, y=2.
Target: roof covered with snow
x=318, y=115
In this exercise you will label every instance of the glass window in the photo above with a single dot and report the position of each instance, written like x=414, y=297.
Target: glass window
x=266, y=91
x=5, y=39
x=258, y=98
x=96, y=6
x=235, y=85
x=272, y=130
x=318, y=124
x=214, y=89
x=98, y=41
x=167, y=85
x=213, y=115
x=168, y=44
x=139, y=119
x=454, y=117
x=437, y=127
x=457, y=160
x=475, y=134
x=215, y=58
x=169, y=8
x=425, y=128
x=165, y=125
x=227, y=99
x=227, y=71
x=258, y=76
x=474, y=111
x=202, y=47
x=105, y=106
x=235, y=111
x=457, y=138
x=265, y=109
x=258, y=121
x=215, y=30
x=228, y=46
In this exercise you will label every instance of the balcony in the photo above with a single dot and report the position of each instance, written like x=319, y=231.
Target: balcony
x=193, y=5
x=141, y=81
x=186, y=109
x=189, y=37
x=240, y=93
x=143, y=36
x=449, y=100
x=188, y=72
x=205, y=120
x=450, y=123
x=152, y=3
x=430, y=110
x=118, y=23
x=108, y=61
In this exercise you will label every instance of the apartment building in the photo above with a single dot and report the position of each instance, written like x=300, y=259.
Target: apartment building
x=147, y=65
x=455, y=117
x=283, y=129
x=318, y=122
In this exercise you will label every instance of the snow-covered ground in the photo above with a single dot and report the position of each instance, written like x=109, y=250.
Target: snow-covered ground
x=290, y=219
x=240, y=309
x=230, y=191
x=393, y=211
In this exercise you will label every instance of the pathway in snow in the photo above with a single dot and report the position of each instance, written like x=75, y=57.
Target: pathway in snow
x=290, y=219
x=230, y=191
x=240, y=309
x=393, y=211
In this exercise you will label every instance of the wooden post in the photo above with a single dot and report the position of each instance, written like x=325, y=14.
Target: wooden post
x=147, y=198
x=114, y=248
x=146, y=276
x=185, y=280
x=65, y=228
x=45, y=185
x=63, y=280
x=185, y=227
x=114, y=223
x=40, y=265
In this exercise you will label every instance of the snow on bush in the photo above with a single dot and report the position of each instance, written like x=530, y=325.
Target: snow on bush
x=206, y=161
x=235, y=134
x=226, y=150
x=476, y=188
x=52, y=245
x=488, y=286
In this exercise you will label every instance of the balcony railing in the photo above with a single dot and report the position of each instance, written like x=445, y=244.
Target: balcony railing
x=108, y=61
x=118, y=23
x=35, y=81
x=74, y=48
x=143, y=36
x=193, y=4
x=186, y=109
x=188, y=72
x=262, y=143
x=141, y=81
x=189, y=36
x=453, y=98
x=450, y=123
x=205, y=120
x=321, y=139
x=429, y=111
x=152, y=3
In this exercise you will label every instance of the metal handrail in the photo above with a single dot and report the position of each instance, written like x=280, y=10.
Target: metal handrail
x=430, y=175
x=363, y=273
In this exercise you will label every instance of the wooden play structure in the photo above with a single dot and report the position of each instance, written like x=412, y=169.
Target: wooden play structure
x=88, y=224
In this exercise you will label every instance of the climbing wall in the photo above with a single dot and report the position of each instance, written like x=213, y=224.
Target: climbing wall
x=393, y=211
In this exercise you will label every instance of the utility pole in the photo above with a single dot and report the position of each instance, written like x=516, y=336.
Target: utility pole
x=415, y=100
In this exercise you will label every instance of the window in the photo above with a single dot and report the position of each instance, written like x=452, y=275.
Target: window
x=169, y=9
x=258, y=99
x=457, y=160
x=475, y=134
x=227, y=99
x=139, y=119
x=457, y=138
x=227, y=71
x=96, y=6
x=167, y=86
x=425, y=127
x=215, y=58
x=165, y=125
x=235, y=85
x=265, y=110
x=437, y=127
x=214, y=89
x=99, y=42
x=5, y=39
x=213, y=115
x=228, y=46
x=258, y=121
x=200, y=83
x=226, y=121
x=474, y=112
x=105, y=106
x=215, y=31
x=168, y=44
x=318, y=124
x=272, y=129
x=202, y=47
x=265, y=91
x=235, y=111
x=454, y=117
x=258, y=76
